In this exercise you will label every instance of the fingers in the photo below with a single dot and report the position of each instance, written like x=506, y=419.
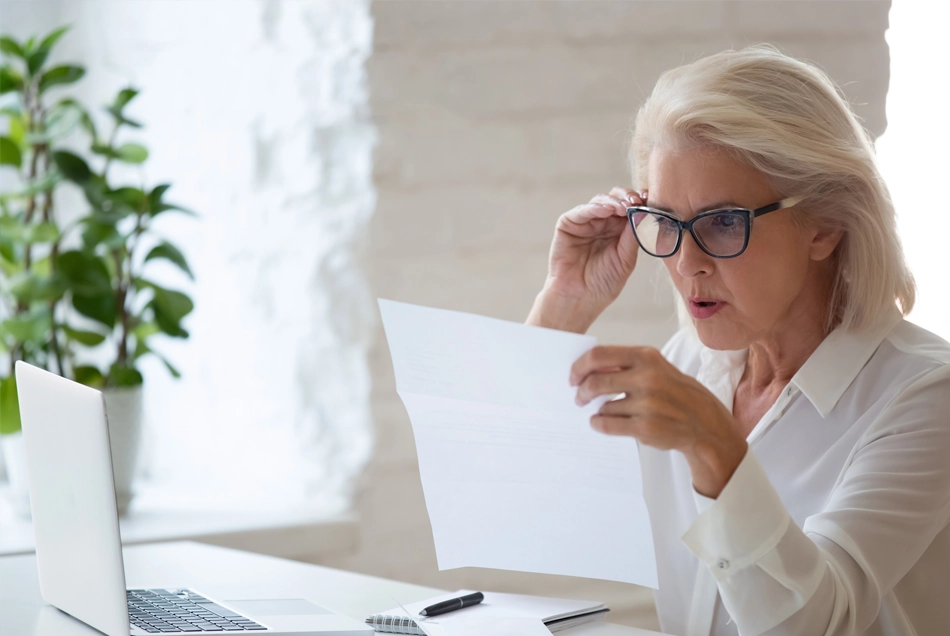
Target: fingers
x=628, y=196
x=602, y=357
x=603, y=206
x=611, y=383
x=614, y=425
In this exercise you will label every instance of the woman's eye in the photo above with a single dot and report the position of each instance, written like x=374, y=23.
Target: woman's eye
x=727, y=221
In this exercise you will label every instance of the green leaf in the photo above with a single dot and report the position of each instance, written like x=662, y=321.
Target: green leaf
x=9, y=406
x=18, y=126
x=87, y=274
x=28, y=287
x=168, y=365
x=99, y=308
x=103, y=149
x=42, y=233
x=156, y=205
x=174, y=304
x=36, y=60
x=141, y=348
x=60, y=121
x=90, y=376
x=88, y=338
x=50, y=40
x=132, y=197
x=72, y=166
x=131, y=153
x=11, y=230
x=10, y=80
x=122, y=119
x=165, y=206
x=169, y=307
x=95, y=190
x=85, y=119
x=122, y=99
x=61, y=75
x=98, y=233
x=10, y=46
x=15, y=232
x=122, y=376
x=9, y=152
x=8, y=258
x=145, y=330
x=32, y=327
x=171, y=253
x=46, y=183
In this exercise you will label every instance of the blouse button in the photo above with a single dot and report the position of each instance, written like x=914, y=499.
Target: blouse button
x=722, y=564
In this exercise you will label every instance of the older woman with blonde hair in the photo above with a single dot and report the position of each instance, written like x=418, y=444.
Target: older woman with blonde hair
x=795, y=433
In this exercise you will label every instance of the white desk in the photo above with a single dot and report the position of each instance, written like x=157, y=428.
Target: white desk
x=181, y=564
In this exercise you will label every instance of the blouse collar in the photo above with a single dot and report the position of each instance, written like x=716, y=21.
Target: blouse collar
x=824, y=377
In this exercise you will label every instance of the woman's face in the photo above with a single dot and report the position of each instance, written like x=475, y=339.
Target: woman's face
x=782, y=277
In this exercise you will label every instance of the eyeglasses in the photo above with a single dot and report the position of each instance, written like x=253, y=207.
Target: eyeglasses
x=722, y=233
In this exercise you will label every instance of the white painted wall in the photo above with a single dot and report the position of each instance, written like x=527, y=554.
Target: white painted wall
x=496, y=117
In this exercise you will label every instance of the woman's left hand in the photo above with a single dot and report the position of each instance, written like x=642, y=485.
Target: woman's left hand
x=662, y=407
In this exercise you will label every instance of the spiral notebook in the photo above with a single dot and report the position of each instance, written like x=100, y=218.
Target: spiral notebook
x=556, y=613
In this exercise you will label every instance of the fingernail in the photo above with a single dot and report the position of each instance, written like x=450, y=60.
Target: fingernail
x=578, y=401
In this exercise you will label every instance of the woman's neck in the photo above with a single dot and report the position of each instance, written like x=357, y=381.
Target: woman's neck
x=777, y=356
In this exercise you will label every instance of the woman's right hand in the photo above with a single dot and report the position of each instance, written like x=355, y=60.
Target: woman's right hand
x=592, y=256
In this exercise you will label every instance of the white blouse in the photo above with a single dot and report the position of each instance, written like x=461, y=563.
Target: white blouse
x=836, y=520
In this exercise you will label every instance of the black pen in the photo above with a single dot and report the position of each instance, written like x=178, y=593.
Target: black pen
x=453, y=604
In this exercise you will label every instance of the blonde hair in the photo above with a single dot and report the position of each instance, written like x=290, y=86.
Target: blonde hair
x=786, y=118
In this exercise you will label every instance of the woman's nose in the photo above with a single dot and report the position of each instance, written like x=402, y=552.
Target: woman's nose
x=691, y=260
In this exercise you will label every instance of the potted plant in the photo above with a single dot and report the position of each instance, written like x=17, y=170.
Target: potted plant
x=65, y=290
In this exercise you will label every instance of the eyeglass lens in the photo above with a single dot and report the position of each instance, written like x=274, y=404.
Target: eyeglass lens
x=721, y=234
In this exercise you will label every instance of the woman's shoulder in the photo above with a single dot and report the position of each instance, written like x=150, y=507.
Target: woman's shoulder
x=917, y=344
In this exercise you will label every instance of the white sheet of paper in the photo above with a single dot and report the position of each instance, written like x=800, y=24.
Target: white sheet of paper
x=493, y=626
x=514, y=476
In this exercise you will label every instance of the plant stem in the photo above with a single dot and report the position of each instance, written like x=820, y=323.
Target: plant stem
x=120, y=301
x=105, y=168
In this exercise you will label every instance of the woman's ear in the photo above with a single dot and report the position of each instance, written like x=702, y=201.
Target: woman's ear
x=824, y=242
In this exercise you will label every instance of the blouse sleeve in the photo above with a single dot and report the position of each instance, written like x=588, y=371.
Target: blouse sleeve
x=829, y=576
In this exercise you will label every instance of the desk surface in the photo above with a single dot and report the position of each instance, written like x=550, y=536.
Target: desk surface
x=215, y=569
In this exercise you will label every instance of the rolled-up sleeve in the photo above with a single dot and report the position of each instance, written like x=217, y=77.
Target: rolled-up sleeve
x=829, y=576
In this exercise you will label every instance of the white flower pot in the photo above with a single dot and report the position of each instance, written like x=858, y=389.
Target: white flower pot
x=124, y=412
x=14, y=458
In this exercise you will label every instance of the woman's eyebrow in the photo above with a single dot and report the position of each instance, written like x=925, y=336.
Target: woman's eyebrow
x=705, y=208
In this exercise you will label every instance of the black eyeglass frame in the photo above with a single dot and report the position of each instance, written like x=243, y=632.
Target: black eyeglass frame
x=688, y=225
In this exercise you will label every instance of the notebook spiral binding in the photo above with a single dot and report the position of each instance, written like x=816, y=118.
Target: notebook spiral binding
x=394, y=624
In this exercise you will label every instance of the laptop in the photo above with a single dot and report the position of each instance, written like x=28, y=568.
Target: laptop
x=78, y=549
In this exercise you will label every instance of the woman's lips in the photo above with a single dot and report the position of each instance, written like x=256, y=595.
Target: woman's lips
x=704, y=307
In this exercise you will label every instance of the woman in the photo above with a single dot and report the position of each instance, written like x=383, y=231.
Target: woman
x=809, y=490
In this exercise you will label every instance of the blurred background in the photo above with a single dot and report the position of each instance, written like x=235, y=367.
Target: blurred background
x=336, y=151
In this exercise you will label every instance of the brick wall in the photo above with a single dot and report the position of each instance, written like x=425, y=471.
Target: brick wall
x=493, y=119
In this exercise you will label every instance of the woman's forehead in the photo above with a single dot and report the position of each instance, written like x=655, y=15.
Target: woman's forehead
x=691, y=180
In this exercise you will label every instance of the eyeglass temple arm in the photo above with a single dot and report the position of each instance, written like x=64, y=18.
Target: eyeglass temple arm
x=781, y=205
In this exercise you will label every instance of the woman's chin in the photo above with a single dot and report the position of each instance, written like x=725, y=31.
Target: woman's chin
x=719, y=337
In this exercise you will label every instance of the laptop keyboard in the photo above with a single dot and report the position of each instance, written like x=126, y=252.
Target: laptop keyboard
x=183, y=611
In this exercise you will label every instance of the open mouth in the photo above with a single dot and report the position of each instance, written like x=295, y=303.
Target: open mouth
x=704, y=307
